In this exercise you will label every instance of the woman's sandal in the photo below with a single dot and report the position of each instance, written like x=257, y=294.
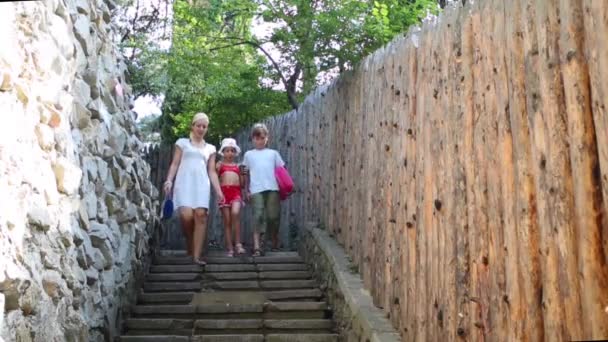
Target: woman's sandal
x=230, y=254
x=239, y=249
x=257, y=253
x=199, y=261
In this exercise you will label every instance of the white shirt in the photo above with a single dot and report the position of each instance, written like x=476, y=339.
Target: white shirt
x=261, y=165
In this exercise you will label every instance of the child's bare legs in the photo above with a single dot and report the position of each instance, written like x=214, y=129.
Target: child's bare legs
x=200, y=232
x=259, y=220
x=273, y=216
x=186, y=218
x=235, y=218
x=227, y=229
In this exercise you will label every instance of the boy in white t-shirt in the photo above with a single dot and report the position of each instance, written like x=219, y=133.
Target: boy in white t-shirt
x=262, y=188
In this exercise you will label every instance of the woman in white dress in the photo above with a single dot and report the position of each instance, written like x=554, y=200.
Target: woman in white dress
x=193, y=168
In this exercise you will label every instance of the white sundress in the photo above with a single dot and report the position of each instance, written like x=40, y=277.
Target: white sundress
x=192, y=188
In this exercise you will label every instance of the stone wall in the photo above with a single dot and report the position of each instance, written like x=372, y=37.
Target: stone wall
x=77, y=209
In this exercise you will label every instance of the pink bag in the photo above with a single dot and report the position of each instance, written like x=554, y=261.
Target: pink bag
x=285, y=182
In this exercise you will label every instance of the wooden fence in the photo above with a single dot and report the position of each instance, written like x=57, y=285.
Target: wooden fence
x=465, y=170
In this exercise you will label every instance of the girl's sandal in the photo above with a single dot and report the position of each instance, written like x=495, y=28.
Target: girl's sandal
x=199, y=261
x=239, y=249
x=230, y=254
x=257, y=253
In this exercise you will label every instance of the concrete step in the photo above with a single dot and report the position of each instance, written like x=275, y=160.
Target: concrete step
x=313, y=294
x=201, y=338
x=295, y=306
x=156, y=332
x=159, y=323
x=278, y=259
x=285, y=275
x=178, y=260
x=165, y=297
x=285, y=295
x=287, y=284
x=229, y=324
x=165, y=286
x=231, y=275
x=227, y=268
x=185, y=327
x=233, y=285
x=218, y=253
x=298, y=324
x=152, y=277
x=301, y=338
x=281, y=267
x=231, y=268
x=257, y=275
x=246, y=299
x=157, y=338
x=228, y=338
x=272, y=310
x=176, y=269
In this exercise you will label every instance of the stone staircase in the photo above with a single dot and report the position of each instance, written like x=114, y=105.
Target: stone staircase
x=243, y=299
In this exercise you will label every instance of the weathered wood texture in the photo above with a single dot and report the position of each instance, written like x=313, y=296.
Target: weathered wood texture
x=464, y=168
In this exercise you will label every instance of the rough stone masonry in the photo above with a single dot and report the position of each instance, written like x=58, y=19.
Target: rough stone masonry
x=77, y=209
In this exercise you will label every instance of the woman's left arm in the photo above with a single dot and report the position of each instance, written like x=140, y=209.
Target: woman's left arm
x=215, y=181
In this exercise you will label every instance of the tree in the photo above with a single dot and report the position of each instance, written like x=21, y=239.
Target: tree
x=216, y=65
x=223, y=82
x=143, y=26
x=320, y=36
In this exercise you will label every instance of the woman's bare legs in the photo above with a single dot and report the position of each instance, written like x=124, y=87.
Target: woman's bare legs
x=200, y=232
x=186, y=216
x=227, y=229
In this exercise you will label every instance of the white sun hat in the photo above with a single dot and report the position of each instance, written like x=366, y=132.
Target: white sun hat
x=229, y=142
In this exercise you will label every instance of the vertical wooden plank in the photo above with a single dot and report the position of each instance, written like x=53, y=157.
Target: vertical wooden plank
x=447, y=204
x=528, y=225
x=377, y=183
x=493, y=135
x=596, y=28
x=422, y=132
x=433, y=181
x=387, y=174
x=505, y=254
x=354, y=157
x=396, y=297
x=584, y=162
x=408, y=144
x=553, y=177
x=478, y=195
x=366, y=176
x=455, y=203
x=465, y=240
x=521, y=243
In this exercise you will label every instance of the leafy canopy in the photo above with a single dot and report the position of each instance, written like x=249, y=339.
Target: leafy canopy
x=216, y=65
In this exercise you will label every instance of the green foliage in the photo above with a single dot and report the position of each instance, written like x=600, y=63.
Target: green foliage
x=222, y=82
x=349, y=30
x=215, y=64
x=149, y=129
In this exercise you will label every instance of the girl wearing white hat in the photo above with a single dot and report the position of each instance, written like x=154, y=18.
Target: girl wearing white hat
x=193, y=168
x=230, y=183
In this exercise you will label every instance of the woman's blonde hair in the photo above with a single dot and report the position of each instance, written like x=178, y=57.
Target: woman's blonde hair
x=198, y=117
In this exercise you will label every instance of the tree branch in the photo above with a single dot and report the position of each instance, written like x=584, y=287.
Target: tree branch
x=289, y=84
